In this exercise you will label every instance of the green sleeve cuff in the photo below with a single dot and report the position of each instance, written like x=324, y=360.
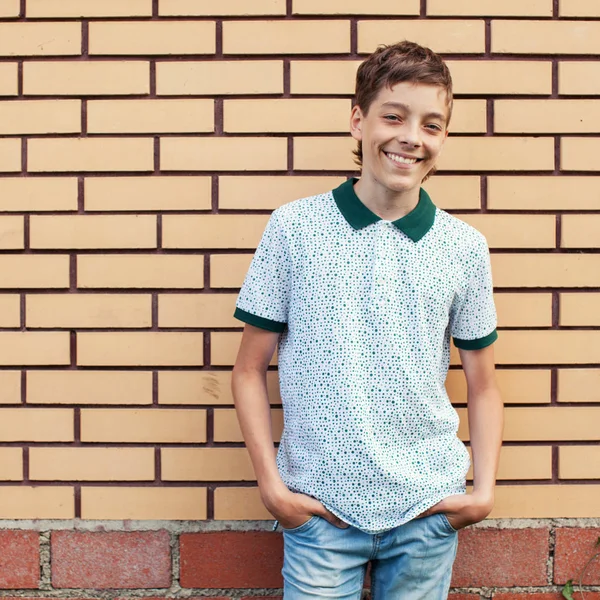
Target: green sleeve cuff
x=261, y=322
x=476, y=344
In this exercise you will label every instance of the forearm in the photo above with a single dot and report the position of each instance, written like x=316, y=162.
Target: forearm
x=486, y=420
x=254, y=415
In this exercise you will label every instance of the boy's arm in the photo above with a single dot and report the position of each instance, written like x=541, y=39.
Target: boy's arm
x=254, y=415
x=485, y=412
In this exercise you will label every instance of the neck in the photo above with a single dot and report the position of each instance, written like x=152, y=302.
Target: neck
x=386, y=203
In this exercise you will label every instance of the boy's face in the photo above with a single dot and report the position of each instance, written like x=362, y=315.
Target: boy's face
x=402, y=134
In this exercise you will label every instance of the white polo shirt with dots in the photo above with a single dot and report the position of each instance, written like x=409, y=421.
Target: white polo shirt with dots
x=366, y=308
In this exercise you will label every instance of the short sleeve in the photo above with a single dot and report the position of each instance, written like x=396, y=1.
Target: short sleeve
x=473, y=314
x=264, y=298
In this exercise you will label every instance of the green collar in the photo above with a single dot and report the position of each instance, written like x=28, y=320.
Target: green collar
x=415, y=224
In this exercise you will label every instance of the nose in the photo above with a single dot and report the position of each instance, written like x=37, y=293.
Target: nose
x=410, y=134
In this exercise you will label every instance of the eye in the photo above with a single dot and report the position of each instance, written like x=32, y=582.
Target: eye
x=391, y=117
x=433, y=127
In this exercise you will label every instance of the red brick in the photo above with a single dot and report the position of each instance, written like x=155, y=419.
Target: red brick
x=19, y=560
x=231, y=559
x=541, y=596
x=501, y=557
x=111, y=560
x=259, y=598
x=465, y=597
x=574, y=547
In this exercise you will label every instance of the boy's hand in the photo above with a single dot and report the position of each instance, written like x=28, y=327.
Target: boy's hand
x=293, y=510
x=463, y=509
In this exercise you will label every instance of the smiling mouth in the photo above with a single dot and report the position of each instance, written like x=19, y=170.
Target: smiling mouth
x=403, y=160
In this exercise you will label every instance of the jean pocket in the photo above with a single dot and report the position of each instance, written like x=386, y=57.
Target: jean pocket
x=302, y=527
x=447, y=523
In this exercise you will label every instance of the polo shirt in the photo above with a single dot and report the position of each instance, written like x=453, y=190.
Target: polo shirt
x=366, y=308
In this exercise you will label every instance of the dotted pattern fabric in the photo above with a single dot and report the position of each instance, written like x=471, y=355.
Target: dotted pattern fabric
x=368, y=426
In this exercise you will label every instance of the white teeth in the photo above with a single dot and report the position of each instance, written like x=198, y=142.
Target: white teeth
x=401, y=159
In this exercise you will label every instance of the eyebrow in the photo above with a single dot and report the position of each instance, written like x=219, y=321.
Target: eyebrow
x=402, y=106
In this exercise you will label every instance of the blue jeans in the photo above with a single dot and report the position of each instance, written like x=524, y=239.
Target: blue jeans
x=410, y=562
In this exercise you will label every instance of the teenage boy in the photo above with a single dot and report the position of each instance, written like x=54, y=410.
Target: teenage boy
x=361, y=289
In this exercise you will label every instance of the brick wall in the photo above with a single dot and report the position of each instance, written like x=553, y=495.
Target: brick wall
x=143, y=144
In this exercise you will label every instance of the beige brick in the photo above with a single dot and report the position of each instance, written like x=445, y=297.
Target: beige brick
x=286, y=37
x=40, y=39
x=579, y=8
x=36, y=502
x=38, y=194
x=524, y=310
x=10, y=387
x=143, y=503
x=579, y=309
x=101, y=231
x=10, y=310
x=223, y=154
x=579, y=385
x=454, y=192
x=581, y=231
x=34, y=348
x=523, y=462
x=196, y=310
x=577, y=154
x=66, y=78
x=213, y=231
x=498, y=154
x=546, y=37
x=152, y=37
x=51, y=9
x=91, y=464
x=324, y=154
x=140, y=271
x=452, y=36
x=228, y=270
x=147, y=193
x=90, y=154
x=227, y=428
x=551, y=424
x=515, y=231
x=546, y=270
x=517, y=386
x=277, y=116
x=206, y=464
x=543, y=193
x=128, y=425
x=578, y=77
x=89, y=387
x=501, y=76
x=205, y=387
x=175, y=8
x=270, y=192
x=323, y=77
x=355, y=7
x=10, y=155
x=469, y=116
x=241, y=503
x=88, y=310
x=36, y=425
x=546, y=501
x=489, y=8
x=12, y=233
x=140, y=349
x=10, y=8
x=546, y=116
x=34, y=271
x=219, y=77
x=548, y=347
x=11, y=464
x=9, y=82
x=579, y=462
x=150, y=116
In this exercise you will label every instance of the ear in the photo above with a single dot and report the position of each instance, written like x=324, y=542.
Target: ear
x=356, y=119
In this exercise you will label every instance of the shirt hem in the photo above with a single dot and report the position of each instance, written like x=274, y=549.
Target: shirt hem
x=257, y=321
x=477, y=344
